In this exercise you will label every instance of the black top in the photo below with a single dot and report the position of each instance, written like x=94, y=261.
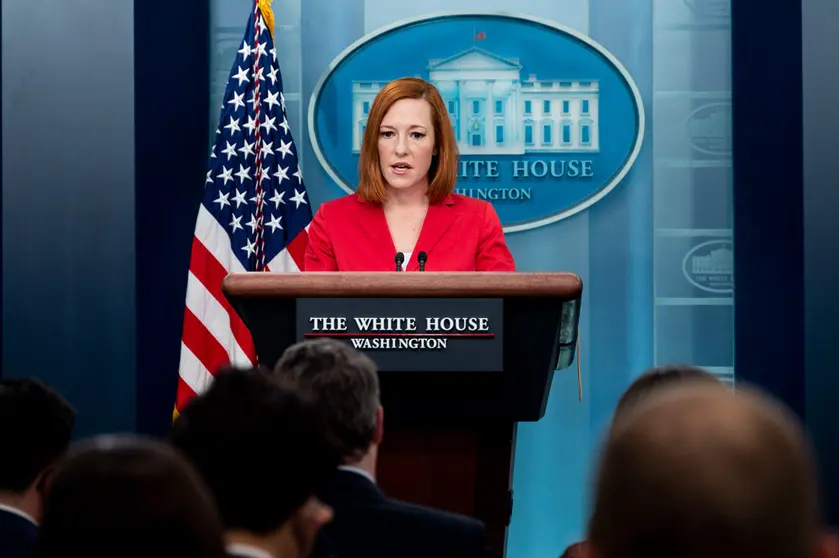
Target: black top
x=368, y=524
x=17, y=535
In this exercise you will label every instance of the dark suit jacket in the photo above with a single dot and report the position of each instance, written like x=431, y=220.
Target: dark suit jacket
x=368, y=524
x=17, y=536
x=459, y=234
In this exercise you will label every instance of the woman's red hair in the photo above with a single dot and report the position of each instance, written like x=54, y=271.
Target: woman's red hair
x=443, y=171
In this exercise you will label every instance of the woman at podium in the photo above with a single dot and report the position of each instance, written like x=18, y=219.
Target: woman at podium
x=404, y=215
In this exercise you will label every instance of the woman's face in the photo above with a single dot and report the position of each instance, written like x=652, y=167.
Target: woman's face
x=406, y=143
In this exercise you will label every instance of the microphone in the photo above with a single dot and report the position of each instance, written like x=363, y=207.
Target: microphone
x=422, y=257
x=400, y=257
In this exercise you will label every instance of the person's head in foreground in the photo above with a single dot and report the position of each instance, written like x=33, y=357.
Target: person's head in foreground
x=128, y=497
x=264, y=452
x=408, y=144
x=658, y=377
x=695, y=471
x=36, y=426
x=649, y=382
x=345, y=382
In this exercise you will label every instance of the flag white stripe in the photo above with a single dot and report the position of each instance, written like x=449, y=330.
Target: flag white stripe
x=193, y=372
x=283, y=262
x=215, y=239
x=215, y=318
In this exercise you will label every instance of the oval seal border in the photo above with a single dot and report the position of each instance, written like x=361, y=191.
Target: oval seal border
x=559, y=215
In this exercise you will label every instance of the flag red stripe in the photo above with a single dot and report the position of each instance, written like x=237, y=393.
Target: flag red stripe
x=211, y=273
x=203, y=344
x=185, y=394
x=297, y=248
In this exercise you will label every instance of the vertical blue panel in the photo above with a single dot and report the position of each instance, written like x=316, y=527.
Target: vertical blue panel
x=692, y=183
x=68, y=203
x=621, y=231
x=171, y=108
x=327, y=29
x=820, y=51
x=553, y=456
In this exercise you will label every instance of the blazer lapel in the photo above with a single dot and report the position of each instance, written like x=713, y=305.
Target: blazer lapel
x=439, y=218
x=372, y=220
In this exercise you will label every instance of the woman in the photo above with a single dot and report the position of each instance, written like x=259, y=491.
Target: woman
x=405, y=203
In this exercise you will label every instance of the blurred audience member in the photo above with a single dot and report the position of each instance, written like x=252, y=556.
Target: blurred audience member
x=128, y=497
x=649, y=382
x=659, y=377
x=263, y=451
x=36, y=426
x=694, y=471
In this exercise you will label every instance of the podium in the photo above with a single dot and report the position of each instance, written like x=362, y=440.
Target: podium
x=463, y=358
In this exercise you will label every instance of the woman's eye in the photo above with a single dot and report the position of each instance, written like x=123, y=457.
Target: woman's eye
x=418, y=135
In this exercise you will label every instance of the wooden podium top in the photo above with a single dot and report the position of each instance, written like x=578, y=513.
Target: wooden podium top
x=394, y=284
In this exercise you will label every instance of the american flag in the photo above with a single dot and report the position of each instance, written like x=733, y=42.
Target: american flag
x=254, y=214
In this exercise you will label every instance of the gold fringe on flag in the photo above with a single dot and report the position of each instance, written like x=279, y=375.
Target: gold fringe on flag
x=267, y=15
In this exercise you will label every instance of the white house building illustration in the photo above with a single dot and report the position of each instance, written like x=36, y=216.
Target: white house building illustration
x=709, y=128
x=719, y=261
x=495, y=112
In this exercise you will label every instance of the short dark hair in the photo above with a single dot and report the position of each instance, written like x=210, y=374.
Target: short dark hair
x=36, y=426
x=345, y=383
x=658, y=377
x=262, y=448
x=140, y=492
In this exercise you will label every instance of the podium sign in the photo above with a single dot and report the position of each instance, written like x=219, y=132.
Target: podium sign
x=411, y=334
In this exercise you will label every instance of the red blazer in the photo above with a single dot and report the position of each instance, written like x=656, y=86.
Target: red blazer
x=459, y=234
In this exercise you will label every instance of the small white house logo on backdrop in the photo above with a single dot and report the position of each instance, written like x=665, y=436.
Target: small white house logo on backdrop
x=709, y=266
